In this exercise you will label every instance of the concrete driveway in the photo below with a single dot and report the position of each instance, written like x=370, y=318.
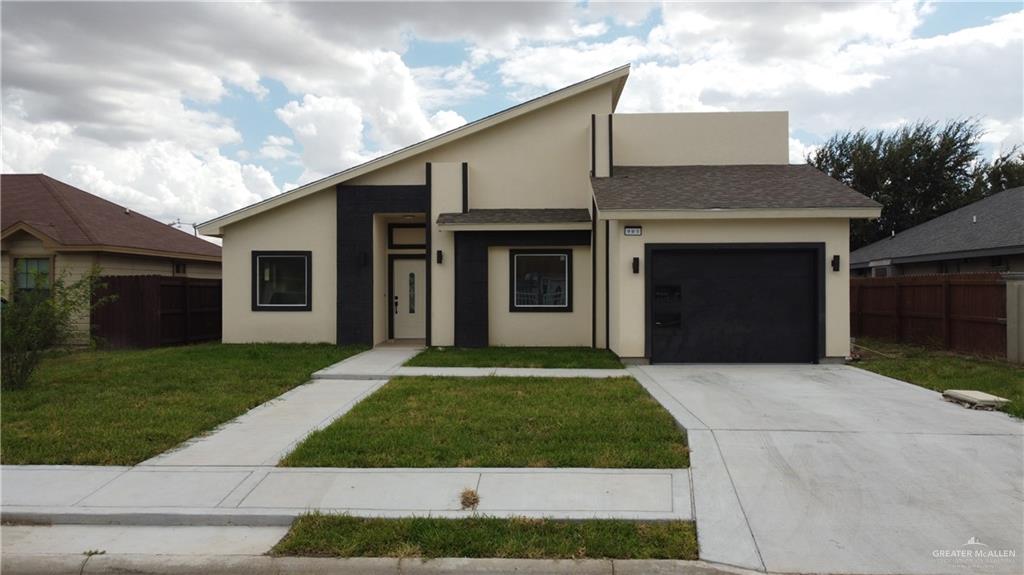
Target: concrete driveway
x=837, y=470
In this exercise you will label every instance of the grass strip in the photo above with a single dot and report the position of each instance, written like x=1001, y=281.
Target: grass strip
x=479, y=537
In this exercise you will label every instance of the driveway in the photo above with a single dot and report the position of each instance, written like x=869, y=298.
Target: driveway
x=834, y=469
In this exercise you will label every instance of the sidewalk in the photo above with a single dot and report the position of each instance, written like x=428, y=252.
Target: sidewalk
x=260, y=496
x=119, y=564
x=228, y=476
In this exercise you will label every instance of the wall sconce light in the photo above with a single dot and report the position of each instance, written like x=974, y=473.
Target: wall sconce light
x=636, y=265
x=835, y=263
x=440, y=256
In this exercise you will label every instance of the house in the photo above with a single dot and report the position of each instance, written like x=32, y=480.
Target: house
x=558, y=222
x=985, y=236
x=52, y=228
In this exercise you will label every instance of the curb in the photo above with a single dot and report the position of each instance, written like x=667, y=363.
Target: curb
x=16, y=564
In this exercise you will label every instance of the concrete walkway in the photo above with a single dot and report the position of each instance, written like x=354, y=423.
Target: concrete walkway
x=387, y=361
x=270, y=431
x=258, y=496
x=832, y=469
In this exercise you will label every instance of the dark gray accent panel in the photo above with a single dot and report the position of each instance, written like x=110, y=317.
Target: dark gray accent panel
x=356, y=207
x=471, y=326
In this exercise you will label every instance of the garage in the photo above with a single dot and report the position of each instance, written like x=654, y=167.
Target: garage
x=743, y=303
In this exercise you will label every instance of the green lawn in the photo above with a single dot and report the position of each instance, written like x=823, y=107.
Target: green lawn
x=942, y=370
x=500, y=422
x=545, y=357
x=344, y=536
x=122, y=407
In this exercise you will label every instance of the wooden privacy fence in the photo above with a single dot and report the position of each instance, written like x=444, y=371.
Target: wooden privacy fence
x=151, y=311
x=961, y=312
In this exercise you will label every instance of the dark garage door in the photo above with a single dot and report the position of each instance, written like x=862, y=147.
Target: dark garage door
x=734, y=305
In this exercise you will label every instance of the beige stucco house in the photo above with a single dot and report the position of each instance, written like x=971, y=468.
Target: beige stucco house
x=559, y=222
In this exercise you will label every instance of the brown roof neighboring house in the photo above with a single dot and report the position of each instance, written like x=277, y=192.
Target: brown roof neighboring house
x=72, y=219
x=723, y=187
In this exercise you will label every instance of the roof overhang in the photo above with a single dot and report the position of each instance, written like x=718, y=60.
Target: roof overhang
x=939, y=257
x=521, y=227
x=616, y=77
x=53, y=245
x=740, y=214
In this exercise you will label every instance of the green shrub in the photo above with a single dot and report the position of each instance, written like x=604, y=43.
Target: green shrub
x=34, y=321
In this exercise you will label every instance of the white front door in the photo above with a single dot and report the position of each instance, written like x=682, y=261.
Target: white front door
x=407, y=298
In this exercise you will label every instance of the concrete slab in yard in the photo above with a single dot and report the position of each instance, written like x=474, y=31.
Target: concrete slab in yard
x=975, y=398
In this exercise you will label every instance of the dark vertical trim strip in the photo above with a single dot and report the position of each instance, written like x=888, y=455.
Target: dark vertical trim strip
x=465, y=187
x=593, y=274
x=430, y=250
x=607, y=293
x=593, y=145
x=611, y=157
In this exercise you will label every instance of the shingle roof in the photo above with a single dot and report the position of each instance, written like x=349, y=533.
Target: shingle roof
x=723, y=187
x=517, y=216
x=996, y=222
x=73, y=217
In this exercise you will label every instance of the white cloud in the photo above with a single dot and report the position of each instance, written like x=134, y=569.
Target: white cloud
x=119, y=97
x=799, y=151
x=277, y=148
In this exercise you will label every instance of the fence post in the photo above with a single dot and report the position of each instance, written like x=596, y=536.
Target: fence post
x=1014, y=317
x=187, y=335
x=899, y=310
x=947, y=330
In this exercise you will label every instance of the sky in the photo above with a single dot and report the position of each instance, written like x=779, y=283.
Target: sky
x=186, y=111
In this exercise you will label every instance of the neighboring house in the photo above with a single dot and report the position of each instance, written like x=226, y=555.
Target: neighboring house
x=557, y=222
x=985, y=236
x=53, y=228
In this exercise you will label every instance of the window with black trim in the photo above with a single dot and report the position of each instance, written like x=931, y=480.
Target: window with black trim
x=540, y=280
x=282, y=281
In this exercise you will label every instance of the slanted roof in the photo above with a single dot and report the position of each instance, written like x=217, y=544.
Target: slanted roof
x=617, y=77
x=71, y=218
x=514, y=216
x=991, y=226
x=746, y=187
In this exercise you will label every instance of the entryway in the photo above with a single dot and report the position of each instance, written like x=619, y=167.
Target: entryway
x=406, y=296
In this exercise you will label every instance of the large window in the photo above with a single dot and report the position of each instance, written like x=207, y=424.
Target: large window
x=540, y=280
x=31, y=274
x=282, y=281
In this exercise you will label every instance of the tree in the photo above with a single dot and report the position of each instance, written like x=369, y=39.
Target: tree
x=34, y=321
x=917, y=172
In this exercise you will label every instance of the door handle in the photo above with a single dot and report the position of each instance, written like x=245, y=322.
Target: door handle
x=396, y=305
